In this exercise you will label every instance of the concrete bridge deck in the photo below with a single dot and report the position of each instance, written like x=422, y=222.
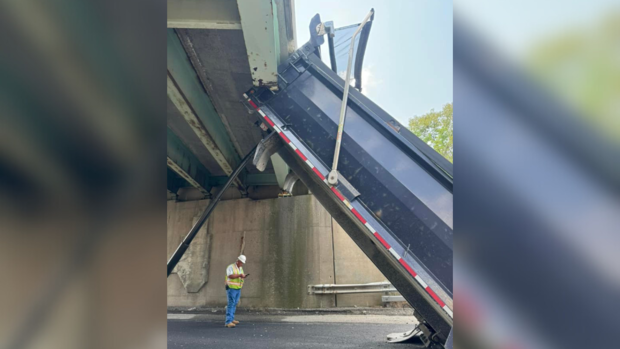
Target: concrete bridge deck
x=217, y=50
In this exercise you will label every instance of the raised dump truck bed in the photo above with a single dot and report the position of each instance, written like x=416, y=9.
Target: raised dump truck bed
x=394, y=197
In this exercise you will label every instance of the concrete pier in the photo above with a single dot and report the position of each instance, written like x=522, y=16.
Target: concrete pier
x=289, y=242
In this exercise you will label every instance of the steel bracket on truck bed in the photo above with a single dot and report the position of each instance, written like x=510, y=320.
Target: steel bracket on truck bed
x=420, y=337
x=267, y=147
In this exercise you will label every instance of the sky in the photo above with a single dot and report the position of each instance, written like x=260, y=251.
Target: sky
x=514, y=27
x=407, y=68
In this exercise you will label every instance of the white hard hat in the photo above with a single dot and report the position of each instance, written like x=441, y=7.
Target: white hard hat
x=242, y=259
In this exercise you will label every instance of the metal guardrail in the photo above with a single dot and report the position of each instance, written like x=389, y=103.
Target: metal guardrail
x=389, y=299
x=374, y=287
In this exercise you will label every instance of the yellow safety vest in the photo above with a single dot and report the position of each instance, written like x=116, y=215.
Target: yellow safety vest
x=237, y=283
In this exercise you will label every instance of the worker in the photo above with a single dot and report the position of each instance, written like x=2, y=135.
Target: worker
x=234, y=283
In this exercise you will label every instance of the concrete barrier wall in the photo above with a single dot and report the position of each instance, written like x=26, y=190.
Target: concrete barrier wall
x=290, y=243
x=353, y=267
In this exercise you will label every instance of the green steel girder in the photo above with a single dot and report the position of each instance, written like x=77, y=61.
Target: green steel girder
x=261, y=179
x=187, y=94
x=250, y=179
x=259, y=20
x=201, y=14
x=171, y=196
x=174, y=182
x=185, y=164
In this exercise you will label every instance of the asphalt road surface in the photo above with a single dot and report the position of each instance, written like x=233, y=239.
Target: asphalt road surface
x=189, y=334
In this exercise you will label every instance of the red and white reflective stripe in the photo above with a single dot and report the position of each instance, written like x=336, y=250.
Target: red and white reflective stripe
x=354, y=211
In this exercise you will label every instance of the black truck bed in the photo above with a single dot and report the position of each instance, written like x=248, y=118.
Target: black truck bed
x=396, y=199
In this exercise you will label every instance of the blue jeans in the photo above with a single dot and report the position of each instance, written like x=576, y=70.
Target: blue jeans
x=233, y=299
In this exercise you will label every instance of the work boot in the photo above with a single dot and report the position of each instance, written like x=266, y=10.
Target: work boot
x=230, y=325
x=235, y=322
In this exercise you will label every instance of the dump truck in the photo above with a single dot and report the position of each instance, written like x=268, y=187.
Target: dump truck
x=389, y=190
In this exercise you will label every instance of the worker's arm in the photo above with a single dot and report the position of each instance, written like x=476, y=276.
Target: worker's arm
x=231, y=275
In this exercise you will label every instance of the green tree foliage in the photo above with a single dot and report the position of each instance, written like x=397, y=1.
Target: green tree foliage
x=582, y=67
x=435, y=128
